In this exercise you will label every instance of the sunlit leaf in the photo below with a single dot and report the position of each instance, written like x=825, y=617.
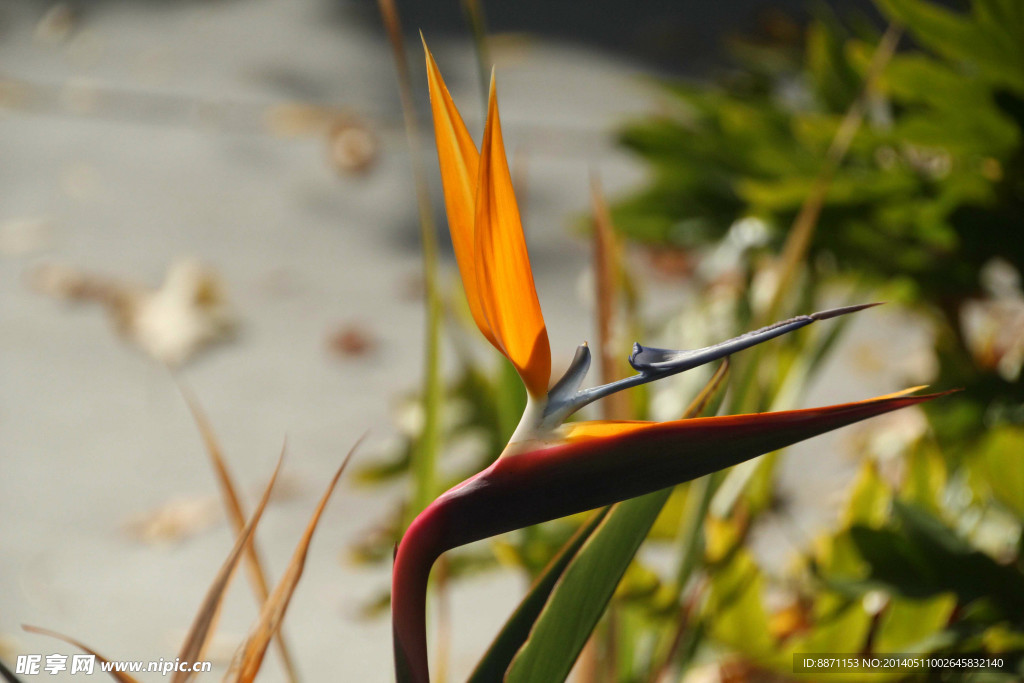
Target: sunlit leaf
x=495, y=662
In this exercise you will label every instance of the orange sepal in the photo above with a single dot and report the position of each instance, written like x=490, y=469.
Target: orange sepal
x=460, y=163
x=504, y=277
x=600, y=429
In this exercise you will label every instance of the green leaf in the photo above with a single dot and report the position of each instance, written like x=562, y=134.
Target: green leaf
x=840, y=625
x=579, y=599
x=925, y=479
x=1002, y=462
x=834, y=79
x=906, y=624
x=736, y=614
x=923, y=558
x=494, y=663
x=986, y=44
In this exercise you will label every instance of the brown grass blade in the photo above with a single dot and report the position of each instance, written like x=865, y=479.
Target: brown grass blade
x=616, y=406
x=116, y=675
x=236, y=514
x=806, y=221
x=249, y=657
x=712, y=386
x=202, y=628
x=607, y=276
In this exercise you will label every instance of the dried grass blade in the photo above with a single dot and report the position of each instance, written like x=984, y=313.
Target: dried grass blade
x=6, y=674
x=701, y=400
x=116, y=675
x=236, y=514
x=799, y=239
x=202, y=628
x=249, y=657
x=606, y=272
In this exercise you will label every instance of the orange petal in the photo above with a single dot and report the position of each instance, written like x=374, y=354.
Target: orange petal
x=459, y=161
x=598, y=429
x=505, y=279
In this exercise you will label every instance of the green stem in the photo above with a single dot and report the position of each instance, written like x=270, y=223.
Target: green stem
x=425, y=460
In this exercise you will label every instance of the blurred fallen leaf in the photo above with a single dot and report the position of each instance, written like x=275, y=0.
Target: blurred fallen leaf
x=351, y=339
x=672, y=264
x=187, y=313
x=56, y=25
x=352, y=147
x=175, y=520
x=410, y=287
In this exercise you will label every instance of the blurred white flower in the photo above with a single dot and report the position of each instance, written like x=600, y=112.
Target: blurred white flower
x=993, y=327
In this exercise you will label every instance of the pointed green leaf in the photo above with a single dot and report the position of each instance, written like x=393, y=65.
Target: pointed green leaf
x=924, y=558
x=586, y=587
x=990, y=46
x=495, y=662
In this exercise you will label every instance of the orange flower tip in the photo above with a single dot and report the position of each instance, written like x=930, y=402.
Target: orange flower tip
x=914, y=390
x=504, y=279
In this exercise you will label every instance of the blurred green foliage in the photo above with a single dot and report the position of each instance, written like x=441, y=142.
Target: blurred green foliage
x=926, y=208
x=930, y=193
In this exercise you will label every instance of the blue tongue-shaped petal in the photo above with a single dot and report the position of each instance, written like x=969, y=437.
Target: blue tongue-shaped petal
x=649, y=359
x=653, y=364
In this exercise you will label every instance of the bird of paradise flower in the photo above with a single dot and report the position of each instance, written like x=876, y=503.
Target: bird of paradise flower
x=550, y=469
